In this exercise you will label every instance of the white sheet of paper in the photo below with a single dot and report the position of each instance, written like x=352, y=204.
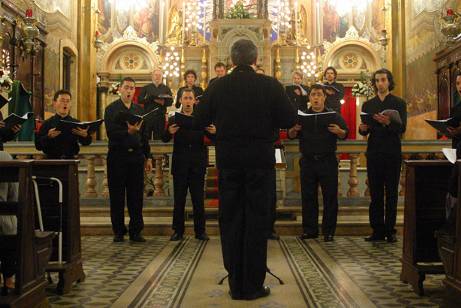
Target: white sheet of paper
x=450, y=154
x=278, y=156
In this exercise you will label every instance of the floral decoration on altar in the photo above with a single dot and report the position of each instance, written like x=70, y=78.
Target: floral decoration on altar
x=238, y=11
x=363, y=87
x=5, y=81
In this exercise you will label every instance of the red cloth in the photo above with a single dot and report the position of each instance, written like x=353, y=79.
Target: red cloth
x=349, y=112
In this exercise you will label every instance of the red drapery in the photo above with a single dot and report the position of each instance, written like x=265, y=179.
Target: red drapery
x=348, y=111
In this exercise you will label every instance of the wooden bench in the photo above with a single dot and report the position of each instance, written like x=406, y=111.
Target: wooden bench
x=30, y=248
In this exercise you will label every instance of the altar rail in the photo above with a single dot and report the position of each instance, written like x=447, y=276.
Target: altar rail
x=352, y=176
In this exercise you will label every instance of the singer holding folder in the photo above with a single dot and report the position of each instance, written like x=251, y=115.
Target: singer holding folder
x=384, y=155
x=318, y=132
x=57, y=144
x=128, y=156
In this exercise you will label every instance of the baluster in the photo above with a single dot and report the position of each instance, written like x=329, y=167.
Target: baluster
x=158, y=177
x=353, y=180
x=340, y=193
x=105, y=183
x=367, y=189
x=90, y=178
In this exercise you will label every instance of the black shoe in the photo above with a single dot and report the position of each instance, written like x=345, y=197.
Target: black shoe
x=265, y=291
x=273, y=236
x=374, y=238
x=328, y=238
x=202, y=237
x=176, y=237
x=118, y=238
x=137, y=238
x=391, y=238
x=306, y=236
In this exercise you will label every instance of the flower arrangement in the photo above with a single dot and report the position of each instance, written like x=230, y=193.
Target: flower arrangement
x=238, y=11
x=363, y=87
x=114, y=88
x=5, y=81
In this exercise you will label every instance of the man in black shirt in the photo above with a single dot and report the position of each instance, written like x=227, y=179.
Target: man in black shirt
x=190, y=76
x=54, y=143
x=247, y=109
x=188, y=167
x=297, y=92
x=335, y=93
x=220, y=70
x=455, y=132
x=128, y=156
x=319, y=166
x=384, y=155
x=149, y=97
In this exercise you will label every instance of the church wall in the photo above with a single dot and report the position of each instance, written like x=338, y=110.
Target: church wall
x=423, y=40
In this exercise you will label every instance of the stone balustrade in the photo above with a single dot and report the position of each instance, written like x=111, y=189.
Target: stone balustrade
x=352, y=175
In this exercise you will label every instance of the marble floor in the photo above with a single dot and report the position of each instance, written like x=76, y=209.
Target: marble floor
x=348, y=272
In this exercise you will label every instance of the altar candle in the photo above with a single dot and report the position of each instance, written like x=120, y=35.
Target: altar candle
x=183, y=21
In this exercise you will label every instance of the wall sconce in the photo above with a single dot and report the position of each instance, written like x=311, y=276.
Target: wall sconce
x=29, y=32
x=97, y=41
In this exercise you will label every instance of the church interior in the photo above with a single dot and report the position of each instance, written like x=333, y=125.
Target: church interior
x=88, y=47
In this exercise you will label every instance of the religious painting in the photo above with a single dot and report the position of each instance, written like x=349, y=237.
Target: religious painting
x=333, y=24
x=104, y=19
x=116, y=16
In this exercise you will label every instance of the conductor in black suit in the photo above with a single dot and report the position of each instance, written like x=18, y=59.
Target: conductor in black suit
x=247, y=109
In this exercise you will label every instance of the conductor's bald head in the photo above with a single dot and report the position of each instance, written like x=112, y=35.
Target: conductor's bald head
x=244, y=52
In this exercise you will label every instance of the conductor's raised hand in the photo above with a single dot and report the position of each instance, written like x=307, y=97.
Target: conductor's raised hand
x=81, y=132
x=133, y=129
x=211, y=129
x=382, y=119
x=53, y=133
x=172, y=129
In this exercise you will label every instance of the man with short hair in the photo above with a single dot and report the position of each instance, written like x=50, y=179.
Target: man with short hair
x=335, y=90
x=190, y=77
x=188, y=167
x=384, y=155
x=245, y=160
x=220, y=70
x=149, y=97
x=53, y=142
x=128, y=156
x=319, y=166
x=297, y=92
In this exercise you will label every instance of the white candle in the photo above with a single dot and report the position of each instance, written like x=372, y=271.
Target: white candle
x=319, y=39
x=296, y=21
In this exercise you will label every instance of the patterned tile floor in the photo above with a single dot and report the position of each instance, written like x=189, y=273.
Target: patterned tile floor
x=348, y=272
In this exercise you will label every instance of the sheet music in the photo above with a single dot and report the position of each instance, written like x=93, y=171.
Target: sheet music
x=450, y=154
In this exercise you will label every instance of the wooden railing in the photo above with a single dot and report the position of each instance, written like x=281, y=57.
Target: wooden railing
x=352, y=178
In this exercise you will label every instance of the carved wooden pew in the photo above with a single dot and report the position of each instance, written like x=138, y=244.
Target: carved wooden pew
x=30, y=248
x=426, y=189
x=70, y=270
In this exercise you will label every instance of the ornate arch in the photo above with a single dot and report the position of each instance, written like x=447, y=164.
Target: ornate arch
x=351, y=55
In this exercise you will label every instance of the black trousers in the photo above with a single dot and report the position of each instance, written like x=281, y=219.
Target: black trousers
x=323, y=171
x=244, y=210
x=192, y=179
x=273, y=213
x=125, y=175
x=383, y=178
x=7, y=266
